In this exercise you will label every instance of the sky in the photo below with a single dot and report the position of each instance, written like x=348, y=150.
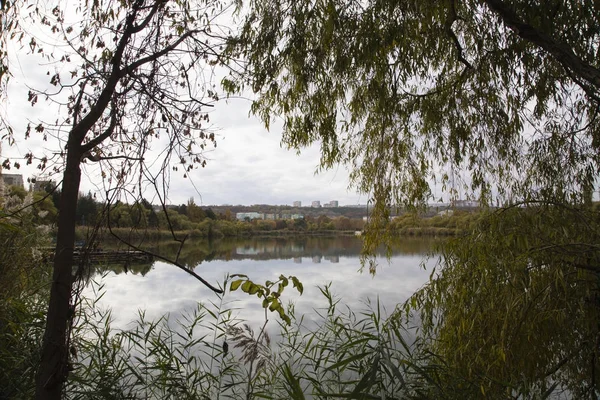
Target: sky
x=248, y=166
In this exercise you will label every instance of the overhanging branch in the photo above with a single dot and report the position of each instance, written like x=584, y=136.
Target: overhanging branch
x=158, y=256
x=562, y=52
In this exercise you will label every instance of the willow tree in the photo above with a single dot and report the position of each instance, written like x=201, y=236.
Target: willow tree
x=123, y=78
x=496, y=99
x=499, y=95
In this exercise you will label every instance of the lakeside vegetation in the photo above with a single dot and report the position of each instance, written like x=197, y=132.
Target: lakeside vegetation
x=496, y=100
x=344, y=352
x=142, y=220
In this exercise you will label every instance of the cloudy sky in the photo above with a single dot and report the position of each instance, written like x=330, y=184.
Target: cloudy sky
x=249, y=166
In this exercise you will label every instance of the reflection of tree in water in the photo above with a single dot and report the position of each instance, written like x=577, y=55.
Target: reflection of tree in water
x=330, y=248
x=121, y=268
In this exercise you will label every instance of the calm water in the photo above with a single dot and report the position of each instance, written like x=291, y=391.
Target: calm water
x=161, y=288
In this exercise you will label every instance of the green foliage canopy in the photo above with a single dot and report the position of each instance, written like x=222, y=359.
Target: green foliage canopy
x=494, y=98
x=515, y=305
x=407, y=93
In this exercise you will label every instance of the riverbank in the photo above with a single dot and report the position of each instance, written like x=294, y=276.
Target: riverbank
x=407, y=225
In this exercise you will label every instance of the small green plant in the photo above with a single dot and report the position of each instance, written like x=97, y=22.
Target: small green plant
x=271, y=297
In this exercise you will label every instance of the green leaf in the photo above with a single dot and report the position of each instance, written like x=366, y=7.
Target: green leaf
x=297, y=284
x=348, y=360
x=275, y=305
x=235, y=285
x=292, y=386
x=254, y=289
x=246, y=286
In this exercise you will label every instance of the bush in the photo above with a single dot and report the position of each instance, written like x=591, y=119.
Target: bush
x=24, y=283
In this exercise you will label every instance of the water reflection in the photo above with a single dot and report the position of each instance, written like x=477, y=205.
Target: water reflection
x=161, y=288
x=281, y=248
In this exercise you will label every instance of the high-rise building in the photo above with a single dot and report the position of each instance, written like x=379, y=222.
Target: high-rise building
x=316, y=204
x=333, y=203
x=297, y=204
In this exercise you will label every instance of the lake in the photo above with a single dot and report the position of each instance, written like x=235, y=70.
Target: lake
x=160, y=288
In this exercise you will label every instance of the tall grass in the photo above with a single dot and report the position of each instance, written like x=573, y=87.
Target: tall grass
x=209, y=354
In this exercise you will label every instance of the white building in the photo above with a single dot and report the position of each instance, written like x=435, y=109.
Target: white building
x=13, y=179
x=466, y=203
x=297, y=204
x=249, y=215
x=316, y=204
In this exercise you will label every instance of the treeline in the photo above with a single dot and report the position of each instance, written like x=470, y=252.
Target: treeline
x=449, y=224
x=198, y=221
x=202, y=222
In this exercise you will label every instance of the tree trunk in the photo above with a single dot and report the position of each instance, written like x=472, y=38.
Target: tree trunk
x=53, y=368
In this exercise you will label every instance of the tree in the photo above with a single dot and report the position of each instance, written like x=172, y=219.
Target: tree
x=227, y=215
x=495, y=99
x=87, y=209
x=210, y=214
x=516, y=305
x=127, y=76
x=120, y=215
x=152, y=219
x=44, y=210
x=407, y=91
x=194, y=212
x=343, y=223
x=8, y=22
x=182, y=209
x=17, y=191
x=24, y=280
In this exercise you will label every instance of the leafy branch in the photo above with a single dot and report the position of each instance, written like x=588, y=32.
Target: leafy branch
x=267, y=292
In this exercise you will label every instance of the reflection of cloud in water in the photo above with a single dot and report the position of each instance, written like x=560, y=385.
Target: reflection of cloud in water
x=166, y=289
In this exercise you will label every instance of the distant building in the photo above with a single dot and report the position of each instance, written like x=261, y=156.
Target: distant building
x=297, y=204
x=316, y=204
x=287, y=215
x=40, y=184
x=249, y=216
x=331, y=204
x=446, y=213
x=466, y=203
x=13, y=179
